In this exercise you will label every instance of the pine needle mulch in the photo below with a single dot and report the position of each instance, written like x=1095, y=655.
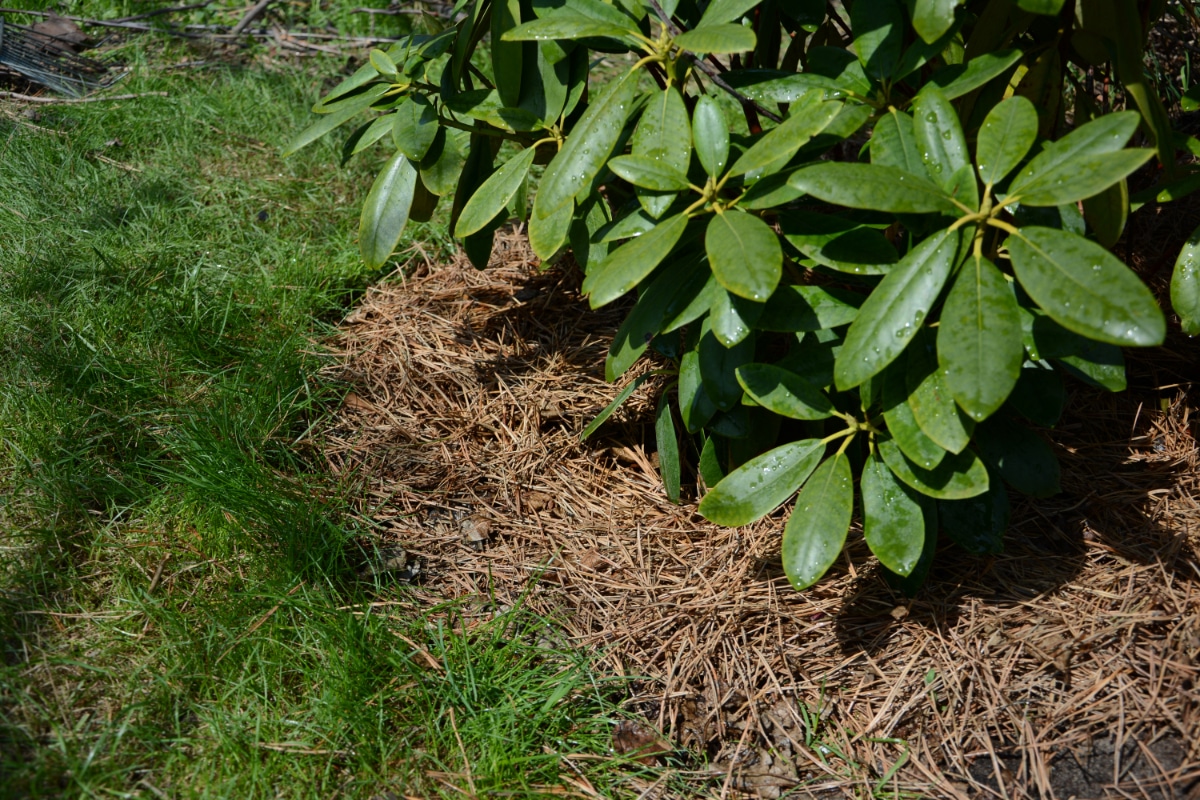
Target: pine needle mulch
x=1065, y=667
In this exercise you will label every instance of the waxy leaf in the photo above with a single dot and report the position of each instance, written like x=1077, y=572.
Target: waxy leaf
x=893, y=143
x=711, y=135
x=494, y=195
x=1185, y=285
x=668, y=448
x=1097, y=363
x=1106, y=213
x=893, y=314
x=808, y=308
x=901, y=423
x=366, y=135
x=548, y=233
x=875, y=187
x=720, y=11
x=1059, y=164
x=587, y=148
x=977, y=524
x=1008, y=132
x=709, y=465
x=649, y=173
x=930, y=19
x=783, y=392
x=773, y=151
x=762, y=484
x=1085, y=288
x=732, y=317
x=718, y=367
x=507, y=55
x=1074, y=179
x=939, y=137
x=663, y=133
x=979, y=339
x=565, y=24
x=893, y=520
x=385, y=211
x=333, y=119
x=929, y=398
x=695, y=406
x=744, y=253
x=415, y=127
x=960, y=79
x=626, y=266
x=956, y=477
x=816, y=530
x=838, y=243
x=724, y=38
x=1049, y=8
x=1021, y=457
x=879, y=27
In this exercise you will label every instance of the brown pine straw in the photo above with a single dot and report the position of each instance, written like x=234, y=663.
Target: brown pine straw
x=1065, y=667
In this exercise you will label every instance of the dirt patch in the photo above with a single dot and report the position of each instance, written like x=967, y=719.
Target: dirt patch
x=1065, y=667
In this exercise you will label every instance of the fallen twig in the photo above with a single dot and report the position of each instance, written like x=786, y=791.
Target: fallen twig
x=27, y=98
x=250, y=16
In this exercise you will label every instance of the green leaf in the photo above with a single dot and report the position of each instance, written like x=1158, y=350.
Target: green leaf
x=977, y=524
x=507, y=55
x=679, y=282
x=1039, y=394
x=709, y=466
x=893, y=521
x=808, y=308
x=696, y=307
x=587, y=148
x=1049, y=8
x=979, y=339
x=711, y=135
x=695, y=406
x=383, y=63
x=1106, y=135
x=762, y=484
x=901, y=423
x=744, y=253
x=875, y=187
x=362, y=76
x=416, y=126
x=617, y=402
x=367, y=134
x=1097, y=363
x=1107, y=212
x=724, y=38
x=649, y=173
x=838, y=243
x=770, y=191
x=663, y=133
x=783, y=392
x=565, y=24
x=1074, y=179
x=442, y=166
x=957, y=80
x=732, y=317
x=939, y=136
x=1021, y=457
x=626, y=266
x=668, y=448
x=879, y=27
x=720, y=11
x=335, y=119
x=893, y=314
x=816, y=530
x=932, y=18
x=494, y=195
x=956, y=477
x=718, y=367
x=1085, y=288
x=894, y=145
x=547, y=234
x=773, y=151
x=929, y=398
x=1008, y=132
x=1185, y=285
x=385, y=211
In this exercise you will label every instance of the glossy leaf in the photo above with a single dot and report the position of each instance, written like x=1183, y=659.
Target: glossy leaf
x=977, y=524
x=1020, y=456
x=442, y=166
x=956, y=477
x=334, y=119
x=668, y=448
x=611, y=408
x=932, y=18
x=744, y=253
x=696, y=408
x=415, y=128
x=720, y=11
x=901, y=423
x=816, y=530
x=893, y=143
x=879, y=27
x=732, y=317
x=1039, y=394
x=565, y=24
x=725, y=38
x=718, y=367
x=385, y=211
x=711, y=135
x=361, y=77
x=939, y=136
x=1085, y=288
x=709, y=465
x=1049, y=8
x=1097, y=363
x=893, y=520
x=367, y=134
x=663, y=133
x=893, y=314
x=838, y=243
x=871, y=186
x=1107, y=212
x=1185, y=285
x=1071, y=180
x=1048, y=170
x=495, y=194
x=649, y=173
x=762, y=484
x=979, y=339
x=957, y=80
x=773, y=151
x=548, y=233
x=783, y=392
x=930, y=399
x=507, y=55
x=626, y=266
x=1007, y=133
x=808, y=308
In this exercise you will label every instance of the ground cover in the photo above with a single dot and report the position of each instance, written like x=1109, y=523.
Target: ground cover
x=183, y=610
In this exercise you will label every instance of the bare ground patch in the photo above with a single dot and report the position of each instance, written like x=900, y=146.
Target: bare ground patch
x=1066, y=667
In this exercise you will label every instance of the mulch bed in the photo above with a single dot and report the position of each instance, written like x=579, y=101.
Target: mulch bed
x=1067, y=666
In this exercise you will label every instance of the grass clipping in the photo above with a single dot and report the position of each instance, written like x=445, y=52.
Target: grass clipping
x=1066, y=666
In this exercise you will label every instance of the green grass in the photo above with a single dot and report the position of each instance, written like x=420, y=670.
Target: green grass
x=179, y=613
